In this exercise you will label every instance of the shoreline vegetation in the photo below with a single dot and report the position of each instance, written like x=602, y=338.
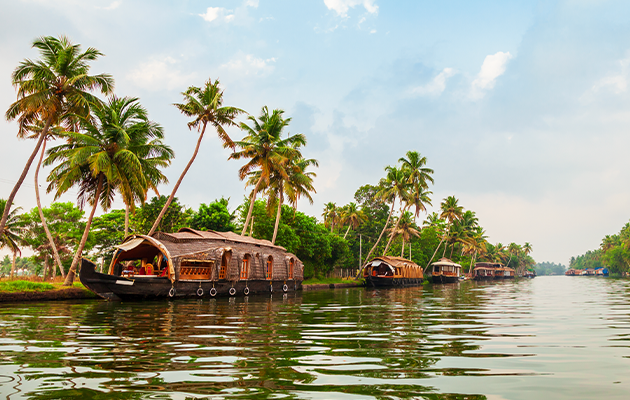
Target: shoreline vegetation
x=108, y=147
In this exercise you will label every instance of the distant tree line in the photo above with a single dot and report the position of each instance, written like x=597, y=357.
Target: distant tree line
x=613, y=253
x=549, y=268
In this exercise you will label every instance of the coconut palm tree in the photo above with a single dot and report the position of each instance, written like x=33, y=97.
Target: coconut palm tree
x=107, y=158
x=205, y=106
x=298, y=183
x=405, y=228
x=451, y=211
x=331, y=215
x=50, y=90
x=11, y=237
x=394, y=186
x=352, y=216
x=266, y=150
x=417, y=197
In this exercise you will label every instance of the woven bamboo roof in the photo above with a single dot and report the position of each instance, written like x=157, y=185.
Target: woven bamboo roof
x=446, y=262
x=396, y=261
x=189, y=234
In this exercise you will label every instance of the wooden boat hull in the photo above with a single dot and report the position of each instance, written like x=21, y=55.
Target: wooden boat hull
x=376, y=281
x=152, y=287
x=444, y=279
x=483, y=278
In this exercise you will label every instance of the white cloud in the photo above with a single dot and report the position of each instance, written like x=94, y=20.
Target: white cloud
x=617, y=83
x=113, y=6
x=213, y=13
x=160, y=74
x=437, y=84
x=220, y=13
x=247, y=64
x=341, y=7
x=493, y=66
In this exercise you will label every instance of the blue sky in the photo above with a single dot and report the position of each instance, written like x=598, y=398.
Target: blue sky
x=519, y=106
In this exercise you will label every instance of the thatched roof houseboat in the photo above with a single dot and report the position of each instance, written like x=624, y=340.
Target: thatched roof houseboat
x=392, y=271
x=193, y=263
x=485, y=271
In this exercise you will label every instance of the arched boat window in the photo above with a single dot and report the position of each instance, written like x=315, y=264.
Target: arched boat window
x=225, y=259
x=245, y=266
x=269, y=269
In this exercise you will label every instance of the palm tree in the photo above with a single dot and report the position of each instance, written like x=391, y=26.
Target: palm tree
x=394, y=186
x=352, y=216
x=11, y=237
x=51, y=242
x=298, y=183
x=331, y=215
x=50, y=90
x=266, y=150
x=108, y=158
x=404, y=229
x=451, y=211
x=205, y=105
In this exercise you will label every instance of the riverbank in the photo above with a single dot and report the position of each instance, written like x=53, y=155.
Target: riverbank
x=20, y=291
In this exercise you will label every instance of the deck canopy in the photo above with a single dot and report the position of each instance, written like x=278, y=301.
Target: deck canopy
x=446, y=263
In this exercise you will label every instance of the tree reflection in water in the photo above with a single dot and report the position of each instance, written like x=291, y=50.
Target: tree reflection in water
x=361, y=343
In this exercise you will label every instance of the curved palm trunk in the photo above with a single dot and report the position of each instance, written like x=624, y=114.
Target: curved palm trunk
x=433, y=256
x=13, y=263
x=391, y=236
x=56, y=257
x=126, y=219
x=347, y=230
x=42, y=135
x=389, y=216
x=402, y=249
x=179, y=181
x=77, y=256
x=251, y=205
x=278, y=215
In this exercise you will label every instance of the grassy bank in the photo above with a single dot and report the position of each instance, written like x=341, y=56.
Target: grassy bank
x=319, y=281
x=24, y=286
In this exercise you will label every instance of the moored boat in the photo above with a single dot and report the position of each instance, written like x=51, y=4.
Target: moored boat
x=445, y=271
x=485, y=271
x=389, y=271
x=529, y=274
x=193, y=263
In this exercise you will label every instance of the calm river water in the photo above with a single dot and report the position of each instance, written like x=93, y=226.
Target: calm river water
x=546, y=338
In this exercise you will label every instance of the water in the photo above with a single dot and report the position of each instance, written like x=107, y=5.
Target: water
x=550, y=337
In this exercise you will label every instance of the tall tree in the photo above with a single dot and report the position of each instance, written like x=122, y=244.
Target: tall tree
x=205, y=106
x=266, y=150
x=52, y=89
x=393, y=187
x=11, y=237
x=106, y=159
x=330, y=215
x=352, y=216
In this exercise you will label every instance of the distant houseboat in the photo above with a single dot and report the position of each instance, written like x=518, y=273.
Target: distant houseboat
x=392, y=271
x=193, y=263
x=485, y=271
x=445, y=271
x=529, y=274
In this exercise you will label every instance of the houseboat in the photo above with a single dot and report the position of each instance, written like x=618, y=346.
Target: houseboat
x=193, y=263
x=485, y=271
x=529, y=274
x=392, y=271
x=445, y=271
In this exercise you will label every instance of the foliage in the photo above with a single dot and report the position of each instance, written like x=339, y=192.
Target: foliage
x=591, y=259
x=547, y=268
x=300, y=234
x=176, y=216
x=21, y=263
x=108, y=231
x=66, y=227
x=214, y=216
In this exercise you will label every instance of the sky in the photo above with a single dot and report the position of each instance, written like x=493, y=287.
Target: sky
x=520, y=107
